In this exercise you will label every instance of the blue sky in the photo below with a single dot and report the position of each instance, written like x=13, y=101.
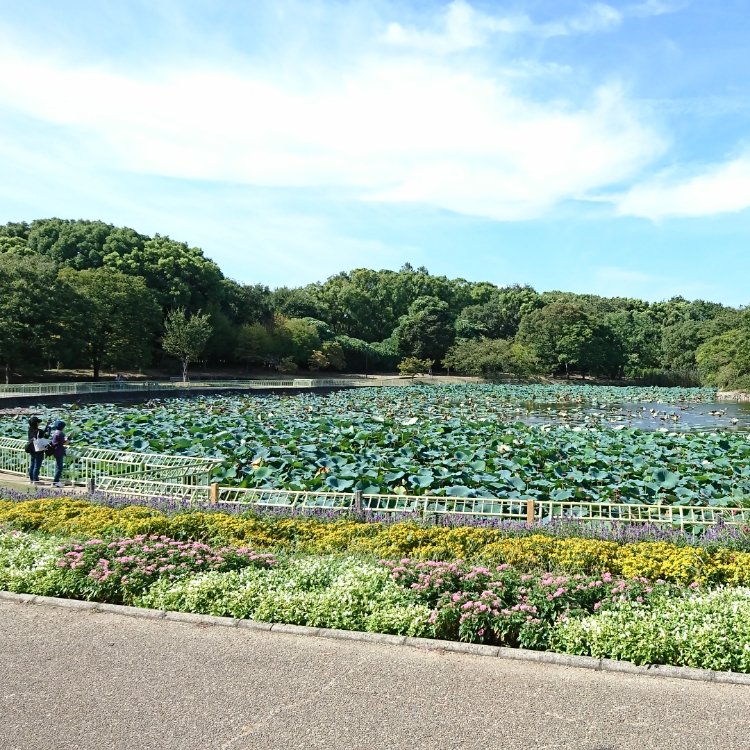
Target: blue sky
x=598, y=147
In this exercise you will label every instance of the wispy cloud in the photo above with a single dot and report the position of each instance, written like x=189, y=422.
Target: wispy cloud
x=461, y=26
x=707, y=191
x=650, y=8
x=389, y=129
x=595, y=18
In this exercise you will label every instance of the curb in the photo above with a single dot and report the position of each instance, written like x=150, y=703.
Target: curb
x=425, y=644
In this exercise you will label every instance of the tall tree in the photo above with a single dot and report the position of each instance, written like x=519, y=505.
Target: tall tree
x=121, y=316
x=179, y=275
x=490, y=358
x=500, y=316
x=566, y=336
x=426, y=331
x=186, y=336
x=297, y=303
x=29, y=309
x=253, y=343
x=247, y=303
x=636, y=341
x=724, y=360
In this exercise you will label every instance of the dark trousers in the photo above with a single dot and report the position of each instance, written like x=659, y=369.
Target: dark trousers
x=59, y=460
x=34, y=465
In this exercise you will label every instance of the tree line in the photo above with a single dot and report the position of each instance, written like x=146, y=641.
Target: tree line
x=77, y=293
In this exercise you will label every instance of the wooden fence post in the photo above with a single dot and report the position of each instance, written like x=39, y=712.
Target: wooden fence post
x=358, y=501
x=213, y=493
x=529, y=511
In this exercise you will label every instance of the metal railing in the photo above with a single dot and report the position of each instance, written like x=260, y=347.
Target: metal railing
x=150, y=475
x=150, y=489
x=528, y=510
x=146, y=386
x=88, y=466
x=244, y=384
x=53, y=389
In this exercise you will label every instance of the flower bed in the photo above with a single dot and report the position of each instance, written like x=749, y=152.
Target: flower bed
x=527, y=550
x=710, y=630
x=604, y=615
x=607, y=592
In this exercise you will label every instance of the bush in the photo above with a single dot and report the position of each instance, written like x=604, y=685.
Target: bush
x=27, y=562
x=287, y=366
x=709, y=630
x=525, y=549
x=411, y=366
x=329, y=592
x=120, y=570
x=502, y=606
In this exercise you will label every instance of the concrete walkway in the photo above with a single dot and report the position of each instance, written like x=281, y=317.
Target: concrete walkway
x=73, y=679
x=21, y=484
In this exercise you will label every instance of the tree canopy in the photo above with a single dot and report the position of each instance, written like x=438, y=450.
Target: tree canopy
x=79, y=292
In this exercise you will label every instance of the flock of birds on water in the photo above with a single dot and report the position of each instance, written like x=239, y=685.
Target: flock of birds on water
x=644, y=414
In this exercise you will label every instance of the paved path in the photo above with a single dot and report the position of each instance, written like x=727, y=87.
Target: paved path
x=21, y=484
x=73, y=680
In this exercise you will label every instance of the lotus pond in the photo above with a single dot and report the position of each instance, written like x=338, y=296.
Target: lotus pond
x=638, y=445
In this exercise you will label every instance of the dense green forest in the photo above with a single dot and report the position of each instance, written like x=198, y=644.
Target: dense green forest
x=85, y=294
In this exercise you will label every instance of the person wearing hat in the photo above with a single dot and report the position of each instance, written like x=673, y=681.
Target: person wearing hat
x=36, y=456
x=59, y=441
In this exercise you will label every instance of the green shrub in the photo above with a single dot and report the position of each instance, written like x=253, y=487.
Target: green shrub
x=27, y=563
x=329, y=592
x=708, y=630
x=231, y=594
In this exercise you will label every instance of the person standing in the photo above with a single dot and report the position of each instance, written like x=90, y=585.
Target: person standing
x=59, y=441
x=36, y=456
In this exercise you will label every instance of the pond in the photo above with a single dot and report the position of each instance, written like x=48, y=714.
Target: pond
x=649, y=416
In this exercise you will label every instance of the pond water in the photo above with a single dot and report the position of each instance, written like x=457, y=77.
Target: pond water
x=703, y=417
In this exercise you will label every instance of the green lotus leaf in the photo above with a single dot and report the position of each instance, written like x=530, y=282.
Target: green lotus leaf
x=393, y=476
x=665, y=478
x=339, y=484
x=458, y=490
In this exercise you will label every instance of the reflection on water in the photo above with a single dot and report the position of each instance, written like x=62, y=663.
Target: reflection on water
x=644, y=416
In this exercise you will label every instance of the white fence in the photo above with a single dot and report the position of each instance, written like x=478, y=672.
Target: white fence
x=145, y=387
x=148, y=476
x=88, y=466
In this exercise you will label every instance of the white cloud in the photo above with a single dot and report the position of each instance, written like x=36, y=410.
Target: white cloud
x=390, y=129
x=519, y=159
x=462, y=27
x=595, y=18
x=717, y=189
x=650, y=8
